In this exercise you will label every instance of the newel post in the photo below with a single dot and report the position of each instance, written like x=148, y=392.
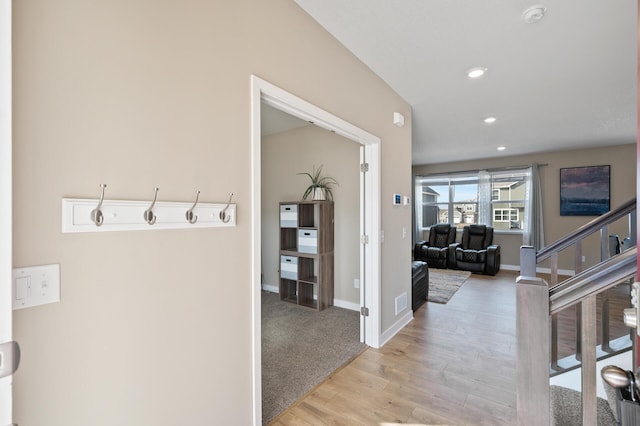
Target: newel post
x=532, y=344
x=528, y=261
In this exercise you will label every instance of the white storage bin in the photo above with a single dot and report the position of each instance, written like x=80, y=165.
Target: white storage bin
x=288, y=215
x=308, y=241
x=289, y=267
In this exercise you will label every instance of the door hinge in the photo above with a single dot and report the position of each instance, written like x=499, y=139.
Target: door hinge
x=364, y=239
x=364, y=311
x=364, y=167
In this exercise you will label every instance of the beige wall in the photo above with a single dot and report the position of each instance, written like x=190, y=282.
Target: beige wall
x=622, y=159
x=295, y=151
x=154, y=328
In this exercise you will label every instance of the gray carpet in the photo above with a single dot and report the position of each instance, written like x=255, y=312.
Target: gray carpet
x=444, y=283
x=300, y=348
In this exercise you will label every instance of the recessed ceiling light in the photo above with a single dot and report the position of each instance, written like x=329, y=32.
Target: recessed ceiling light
x=502, y=148
x=534, y=14
x=489, y=120
x=476, y=72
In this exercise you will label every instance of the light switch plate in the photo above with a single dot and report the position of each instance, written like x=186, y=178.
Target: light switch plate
x=35, y=285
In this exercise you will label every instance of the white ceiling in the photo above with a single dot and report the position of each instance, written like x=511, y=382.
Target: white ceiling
x=565, y=82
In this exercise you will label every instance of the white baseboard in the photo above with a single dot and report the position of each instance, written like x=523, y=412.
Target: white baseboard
x=510, y=267
x=346, y=305
x=352, y=306
x=270, y=288
x=568, y=272
x=395, y=328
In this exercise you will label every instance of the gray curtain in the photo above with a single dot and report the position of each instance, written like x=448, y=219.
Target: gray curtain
x=417, y=209
x=533, y=234
x=484, y=197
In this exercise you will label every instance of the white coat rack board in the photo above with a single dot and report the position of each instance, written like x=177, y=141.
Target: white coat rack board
x=91, y=215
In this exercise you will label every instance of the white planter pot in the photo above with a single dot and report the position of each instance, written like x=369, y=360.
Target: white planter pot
x=319, y=194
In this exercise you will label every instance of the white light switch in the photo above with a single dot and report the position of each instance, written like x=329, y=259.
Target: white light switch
x=36, y=285
x=22, y=287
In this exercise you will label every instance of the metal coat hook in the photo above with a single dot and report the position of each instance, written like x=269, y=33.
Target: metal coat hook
x=149, y=216
x=191, y=217
x=96, y=214
x=223, y=213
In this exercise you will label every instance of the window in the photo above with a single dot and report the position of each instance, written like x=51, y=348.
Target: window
x=511, y=201
x=505, y=215
x=448, y=200
x=496, y=198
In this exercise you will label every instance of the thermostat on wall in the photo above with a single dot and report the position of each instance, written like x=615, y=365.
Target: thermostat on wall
x=397, y=199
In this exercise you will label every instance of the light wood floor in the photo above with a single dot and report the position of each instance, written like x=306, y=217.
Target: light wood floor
x=453, y=364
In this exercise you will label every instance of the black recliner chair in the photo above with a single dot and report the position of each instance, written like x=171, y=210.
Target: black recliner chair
x=476, y=252
x=435, y=251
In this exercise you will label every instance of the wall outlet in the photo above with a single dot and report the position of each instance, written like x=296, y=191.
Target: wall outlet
x=356, y=283
x=584, y=259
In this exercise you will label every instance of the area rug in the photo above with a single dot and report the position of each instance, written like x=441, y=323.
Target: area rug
x=300, y=348
x=443, y=284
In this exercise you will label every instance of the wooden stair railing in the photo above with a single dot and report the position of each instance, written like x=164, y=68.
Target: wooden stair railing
x=537, y=304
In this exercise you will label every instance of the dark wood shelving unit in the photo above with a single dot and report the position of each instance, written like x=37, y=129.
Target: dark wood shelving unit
x=306, y=253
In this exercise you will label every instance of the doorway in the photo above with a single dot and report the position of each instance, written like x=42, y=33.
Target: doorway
x=302, y=346
x=262, y=91
x=290, y=147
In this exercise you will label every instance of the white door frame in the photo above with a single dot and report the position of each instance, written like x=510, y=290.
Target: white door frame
x=262, y=90
x=5, y=202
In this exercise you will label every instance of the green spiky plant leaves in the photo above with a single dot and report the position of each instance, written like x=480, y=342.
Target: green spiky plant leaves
x=318, y=181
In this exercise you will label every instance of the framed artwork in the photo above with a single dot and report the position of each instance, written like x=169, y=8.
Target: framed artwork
x=584, y=191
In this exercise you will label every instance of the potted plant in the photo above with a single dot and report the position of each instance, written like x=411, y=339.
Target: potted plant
x=320, y=188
